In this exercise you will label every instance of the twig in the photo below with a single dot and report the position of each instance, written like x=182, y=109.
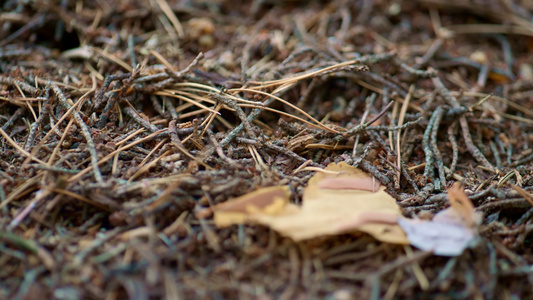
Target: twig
x=131, y=49
x=37, y=22
x=208, y=151
x=219, y=150
x=85, y=130
x=279, y=149
x=135, y=116
x=435, y=46
x=23, y=85
x=240, y=113
x=33, y=130
x=173, y=133
x=464, y=125
x=297, y=52
x=98, y=100
x=436, y=118
x=374, y=281
x=170, y=107
x=455, y=148
x=417, y=72
x=380, y=114
x=363, y=127
x=178, y=76
x=369, y=103
x=13, y=117
x=402, y=168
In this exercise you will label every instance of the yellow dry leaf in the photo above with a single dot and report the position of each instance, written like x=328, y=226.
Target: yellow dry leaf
x=342, y=200
x=355, y=203
x=268, y=201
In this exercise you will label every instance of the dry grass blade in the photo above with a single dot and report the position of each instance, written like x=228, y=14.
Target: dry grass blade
x=80, y=198
x=512, y=104
x=294, y=79
x=113, y=58
x=163, y=60
x=491, y=28
x=145, y=167
x=112, y=154
x=56, y=149
x=24, y=188
x=19, y=148
x=171, y=93
x=523, y=193
x=401, y=118
x=284, y=102
x=292, y=116
x=171, y=16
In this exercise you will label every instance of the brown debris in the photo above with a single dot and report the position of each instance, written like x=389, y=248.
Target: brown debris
x=124, y=124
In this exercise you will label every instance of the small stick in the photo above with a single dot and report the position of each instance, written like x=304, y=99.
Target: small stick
x=13, y=117
x=403, y=168
x=157, y=106
x=482, y=76
x=296, y=53
x=219, y=150
x=33, y=130
x=279, y=149
x=476, y=153
x=78, y=103
x=98, y=100
x=230, y=136
x=171, y=108
x=417, y=72
x=393, y=86
x=372, y=170
x=496, y=154
x=435, y=46
x=455, y=148
x=117, y=94
x=135, y=116
x=169, y=13
x=85, y=130
x=380, y=114
x=366, y=150
x=56, y=149
x=429, y=168
x=179, y=75
x=369, y=103
x=40, y=195
x=439, y=112
x=23, y=85
x=362, y=127
x=173, y=133
x=131, y=49
x=37, y=22
x=240, y=113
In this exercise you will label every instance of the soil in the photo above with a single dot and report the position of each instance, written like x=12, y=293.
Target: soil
x=124, y=121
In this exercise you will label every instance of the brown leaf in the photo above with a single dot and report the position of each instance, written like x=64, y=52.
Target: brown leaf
x=462, y=206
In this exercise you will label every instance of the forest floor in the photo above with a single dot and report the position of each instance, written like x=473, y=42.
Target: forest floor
x=124, y=123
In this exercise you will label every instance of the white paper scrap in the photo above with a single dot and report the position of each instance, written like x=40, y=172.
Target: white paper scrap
x=443, y=238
